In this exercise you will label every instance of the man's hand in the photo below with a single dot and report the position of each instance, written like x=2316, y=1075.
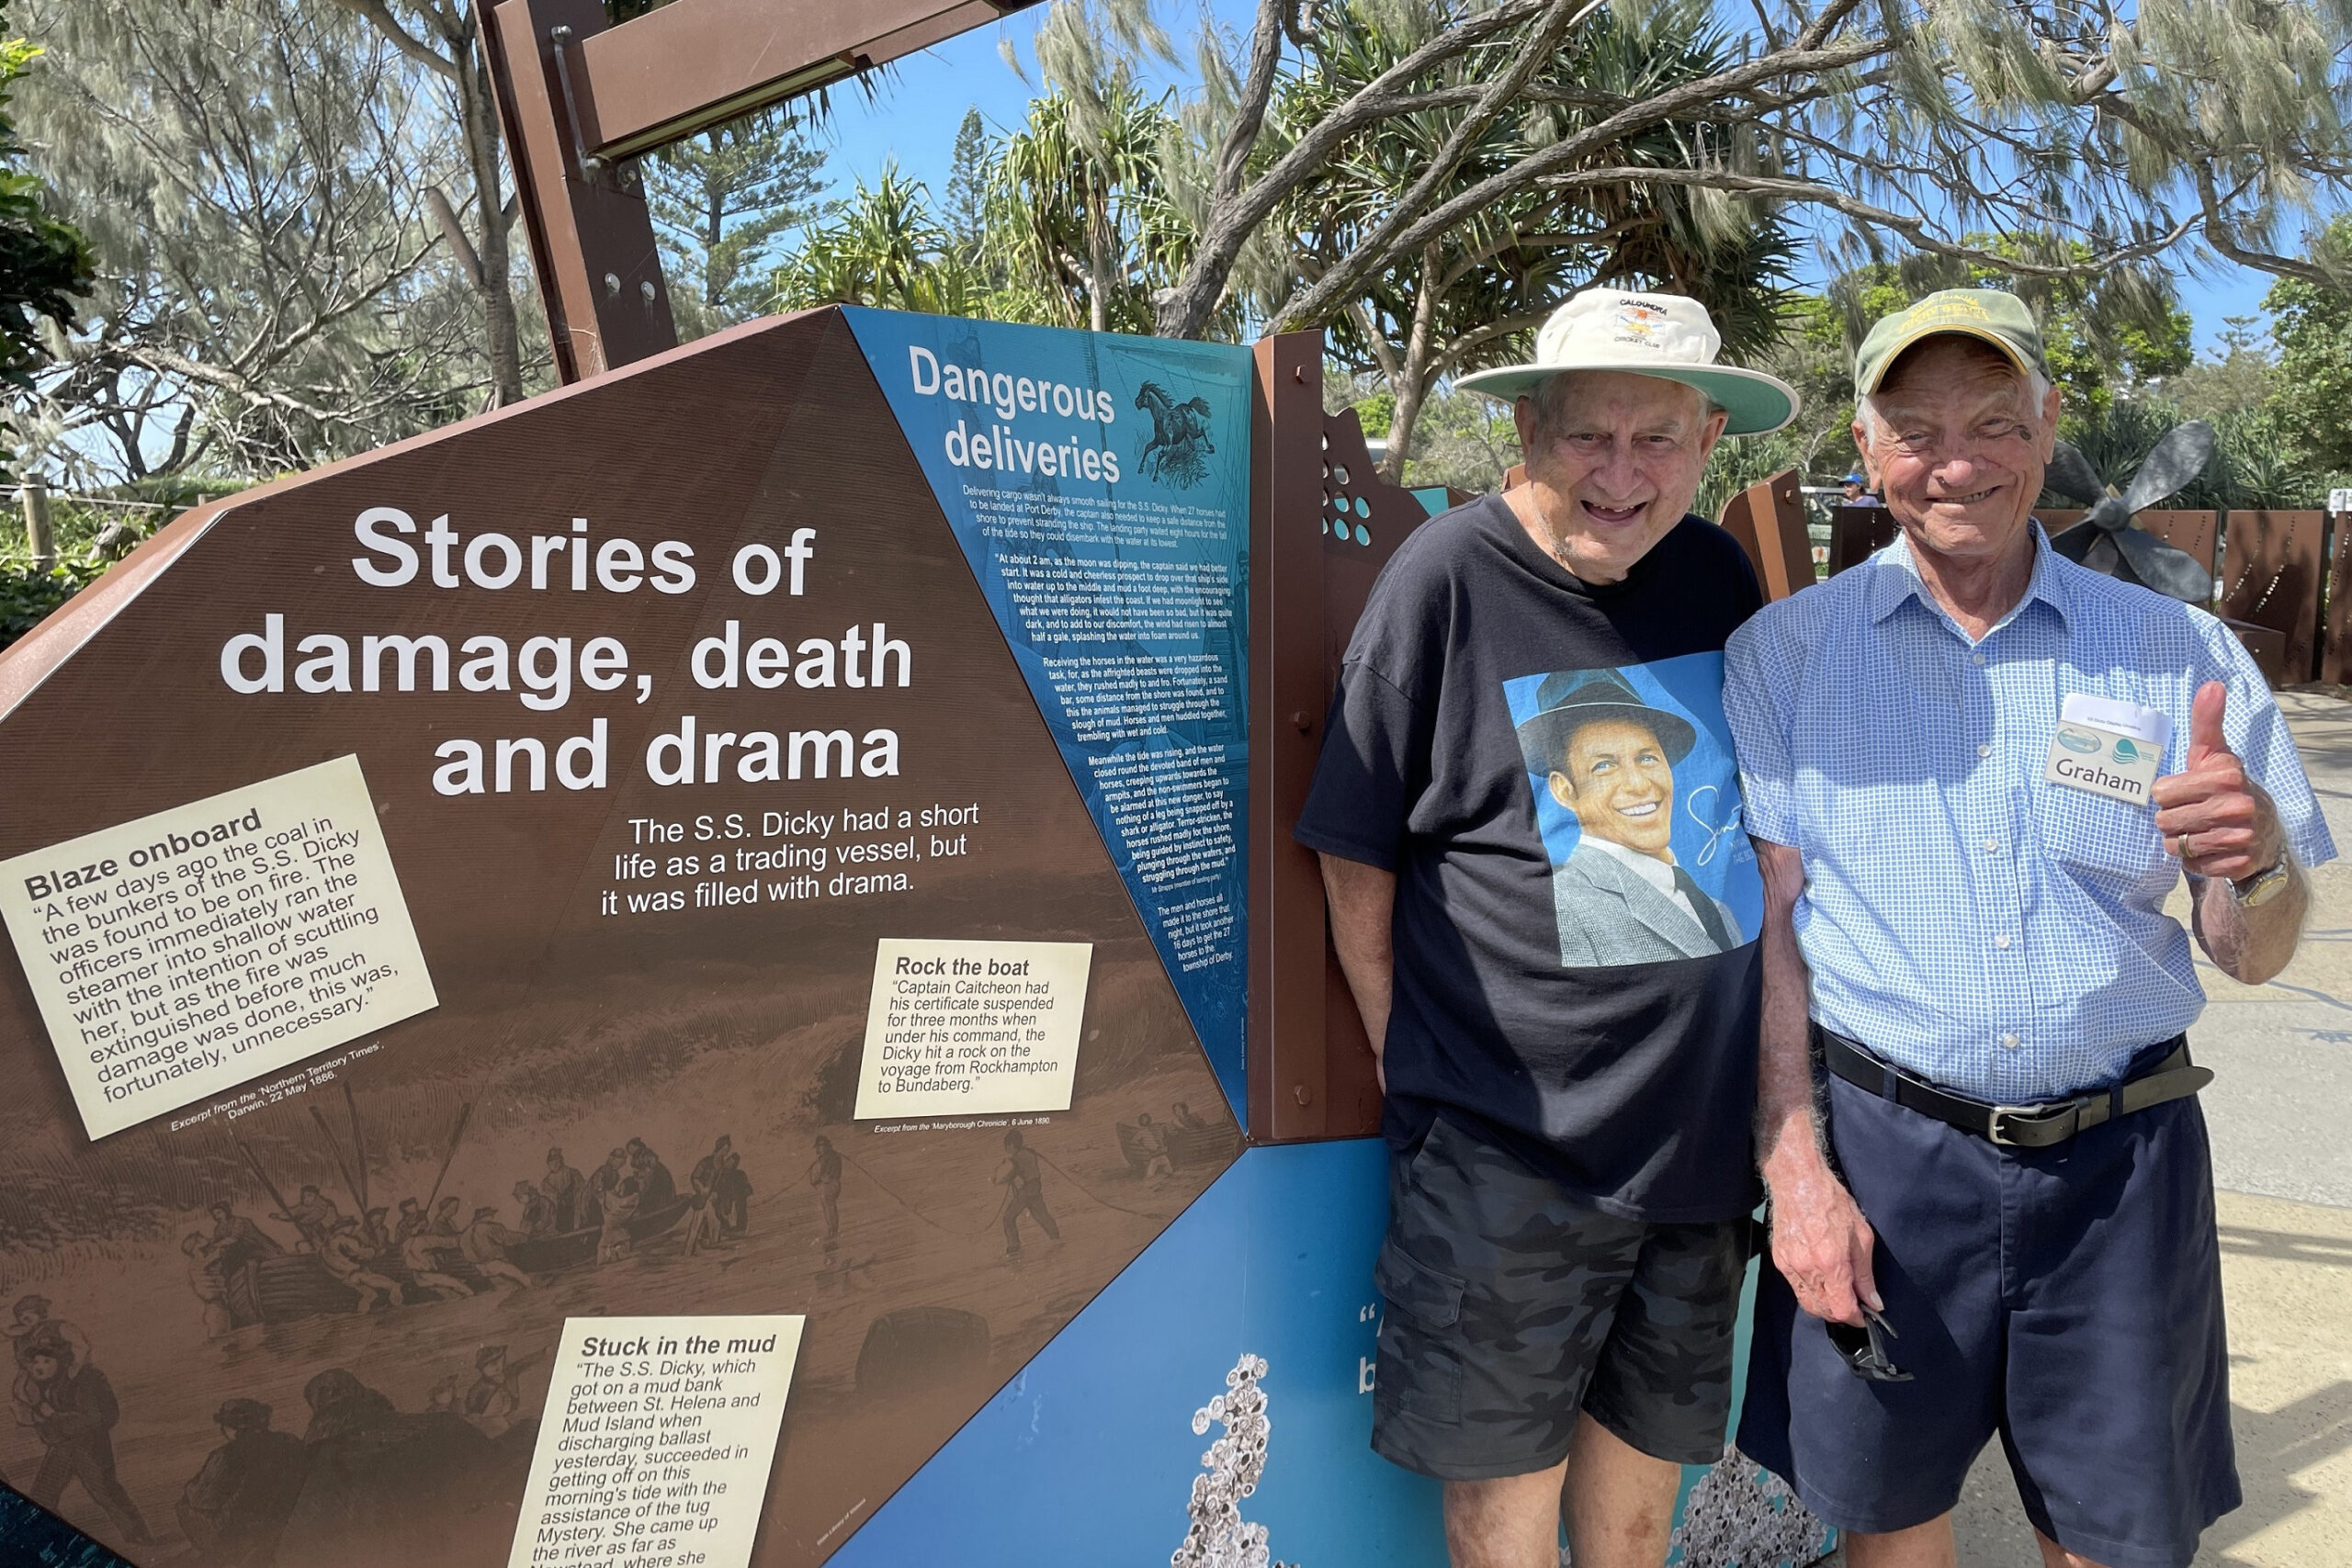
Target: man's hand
x=2216, y=820
x=1821, y=1244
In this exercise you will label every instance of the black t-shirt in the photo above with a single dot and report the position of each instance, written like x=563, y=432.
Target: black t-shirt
x=1544, y=763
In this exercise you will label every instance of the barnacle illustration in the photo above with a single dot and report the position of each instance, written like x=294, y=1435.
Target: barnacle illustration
x=1742, y=1515
x=1219, y=1537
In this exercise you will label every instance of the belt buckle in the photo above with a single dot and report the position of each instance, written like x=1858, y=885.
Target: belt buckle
x=2003, y=1114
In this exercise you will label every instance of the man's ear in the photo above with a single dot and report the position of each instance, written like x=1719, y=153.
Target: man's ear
x=1563, y=789
x=1523, y=420
x=1712, y=432
x=1862, y=436
x=2048, y=442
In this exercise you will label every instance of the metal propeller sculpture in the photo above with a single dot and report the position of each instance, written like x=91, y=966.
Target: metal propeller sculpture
x=2107, y=540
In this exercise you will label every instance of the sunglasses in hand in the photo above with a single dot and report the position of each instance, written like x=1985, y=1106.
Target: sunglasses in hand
x=1865, y=1349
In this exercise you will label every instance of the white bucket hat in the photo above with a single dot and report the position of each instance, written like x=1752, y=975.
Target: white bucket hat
x=1663, y=335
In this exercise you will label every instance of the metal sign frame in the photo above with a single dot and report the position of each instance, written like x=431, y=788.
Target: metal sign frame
x=578, y=98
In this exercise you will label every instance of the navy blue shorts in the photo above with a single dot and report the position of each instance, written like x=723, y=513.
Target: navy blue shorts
x=2069, y=1299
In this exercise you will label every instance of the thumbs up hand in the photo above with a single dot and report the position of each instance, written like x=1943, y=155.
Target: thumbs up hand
x=2218, y=822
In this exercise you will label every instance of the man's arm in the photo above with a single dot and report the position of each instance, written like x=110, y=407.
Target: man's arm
x=1363, y=899
x=2224, y=829
x=1821, y=1244
x=2257, y=944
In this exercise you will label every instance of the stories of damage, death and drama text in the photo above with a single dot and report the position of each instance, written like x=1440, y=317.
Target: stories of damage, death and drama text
x=197, y=948
x=1100, y=487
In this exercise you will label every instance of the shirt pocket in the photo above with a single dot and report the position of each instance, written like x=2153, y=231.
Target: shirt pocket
x=2110, y=845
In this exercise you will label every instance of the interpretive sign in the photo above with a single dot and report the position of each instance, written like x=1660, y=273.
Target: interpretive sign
x=968, y=1027
x=201, y=947
x=1091, y=481
x=679, y=698
x=659, y=1438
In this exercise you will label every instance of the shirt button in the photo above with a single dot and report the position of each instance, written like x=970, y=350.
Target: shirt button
x=2008, y=1042
x=2002, y=940
x=1977, y=658
x=1985, y=749
x=1992, y=845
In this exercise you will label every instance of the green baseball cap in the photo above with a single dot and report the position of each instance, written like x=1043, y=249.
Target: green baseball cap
x=1989, y=315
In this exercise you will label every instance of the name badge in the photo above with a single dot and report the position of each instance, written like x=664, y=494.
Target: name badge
x=2152, y=724
x=2102, y=761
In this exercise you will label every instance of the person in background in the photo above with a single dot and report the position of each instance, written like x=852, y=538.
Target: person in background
x=1855, y=491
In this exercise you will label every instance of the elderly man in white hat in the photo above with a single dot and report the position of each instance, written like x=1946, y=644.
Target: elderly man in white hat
x=1528, y=813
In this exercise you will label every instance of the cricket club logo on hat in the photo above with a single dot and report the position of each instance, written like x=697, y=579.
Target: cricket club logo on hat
x=1639, y=319
x=1664, y=335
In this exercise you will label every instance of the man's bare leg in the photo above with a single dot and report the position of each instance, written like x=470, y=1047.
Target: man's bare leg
x=2056, y=1556
x=1513, y=1521
x=1921, y=1546
x=1620, y=1501
x=1619, y=1505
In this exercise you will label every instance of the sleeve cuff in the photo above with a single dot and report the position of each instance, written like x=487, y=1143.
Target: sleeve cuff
x=1380, y=858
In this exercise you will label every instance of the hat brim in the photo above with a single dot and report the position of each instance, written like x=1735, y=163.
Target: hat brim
x=1757, y=404
x=1905, y=344
x=1543, y=738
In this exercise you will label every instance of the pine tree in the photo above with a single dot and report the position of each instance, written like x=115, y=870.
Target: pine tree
x=719, y=201
x=967, y=185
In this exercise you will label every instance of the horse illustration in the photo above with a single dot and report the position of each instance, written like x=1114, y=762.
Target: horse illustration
x=1180, y=448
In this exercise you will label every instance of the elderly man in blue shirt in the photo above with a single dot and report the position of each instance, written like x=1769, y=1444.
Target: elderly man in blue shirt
x=1973, y=770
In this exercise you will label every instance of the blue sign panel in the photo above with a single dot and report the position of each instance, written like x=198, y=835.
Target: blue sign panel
x=1100, y=487
x=1218, y=1392
x=1215, y=1401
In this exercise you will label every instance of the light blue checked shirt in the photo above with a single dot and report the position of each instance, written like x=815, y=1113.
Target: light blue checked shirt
x=1997, y=935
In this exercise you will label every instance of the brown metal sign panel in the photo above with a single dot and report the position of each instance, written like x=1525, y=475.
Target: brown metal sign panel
x=1322, y=526
x=1857, y=533
x=2335, y=645
x=2194, y=534
x=724, y=568
x=1768, y=519
x=2270, y=577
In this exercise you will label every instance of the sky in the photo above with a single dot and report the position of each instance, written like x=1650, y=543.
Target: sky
x=917, y=106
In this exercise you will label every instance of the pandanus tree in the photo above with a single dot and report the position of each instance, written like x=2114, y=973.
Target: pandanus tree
x=1472, y=295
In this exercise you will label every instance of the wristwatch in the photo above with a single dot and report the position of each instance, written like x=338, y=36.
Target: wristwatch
x=2263, y=886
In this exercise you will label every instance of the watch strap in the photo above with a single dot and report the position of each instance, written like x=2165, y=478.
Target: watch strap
x=2264, y=885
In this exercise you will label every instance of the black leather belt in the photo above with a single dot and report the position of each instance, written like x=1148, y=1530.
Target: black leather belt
x=2016, y=1127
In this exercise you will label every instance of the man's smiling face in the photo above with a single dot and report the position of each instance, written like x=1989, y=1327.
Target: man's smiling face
x=1958, y=448
x=1614, y=461
x=1617, y=780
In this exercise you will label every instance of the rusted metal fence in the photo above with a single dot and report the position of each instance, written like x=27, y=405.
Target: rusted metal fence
x=2282, y=581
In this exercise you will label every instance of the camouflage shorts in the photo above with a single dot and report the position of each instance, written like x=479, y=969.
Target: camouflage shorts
x=1512, y=1307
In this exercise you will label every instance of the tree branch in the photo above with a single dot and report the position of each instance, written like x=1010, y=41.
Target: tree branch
x=1185, y=309
x=1693, y=98
x=378, y=15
